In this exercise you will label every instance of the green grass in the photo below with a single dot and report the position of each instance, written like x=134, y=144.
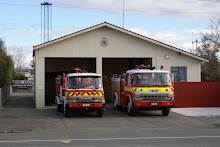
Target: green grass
x=217, y=125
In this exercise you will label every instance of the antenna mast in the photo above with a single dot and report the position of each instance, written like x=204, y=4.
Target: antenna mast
x=47, y=21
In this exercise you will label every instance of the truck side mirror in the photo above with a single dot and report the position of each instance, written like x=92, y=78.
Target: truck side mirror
x=172, y=75
x=106, y=80
x=61, y=81
x=64, y=78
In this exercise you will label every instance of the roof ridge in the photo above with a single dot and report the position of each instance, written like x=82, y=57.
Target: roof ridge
x=124, y=30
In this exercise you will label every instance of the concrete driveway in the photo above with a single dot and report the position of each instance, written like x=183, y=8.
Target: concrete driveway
x=20, y=115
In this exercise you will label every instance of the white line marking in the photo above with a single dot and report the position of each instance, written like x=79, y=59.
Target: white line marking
x=106, y=139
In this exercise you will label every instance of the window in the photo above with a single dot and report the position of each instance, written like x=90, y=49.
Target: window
x=85, y=82
x=152, y=79
x=179, y=74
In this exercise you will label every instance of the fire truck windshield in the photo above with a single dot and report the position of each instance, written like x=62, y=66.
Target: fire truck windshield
x=152, y=79
x=84, y=82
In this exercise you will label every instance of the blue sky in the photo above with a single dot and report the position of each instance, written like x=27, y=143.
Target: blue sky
x=169, y=21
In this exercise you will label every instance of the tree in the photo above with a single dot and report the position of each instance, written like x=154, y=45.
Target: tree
x=18, y=76
x=210, y=46
x=6, y=66
x=18, y=58
x=32, y=64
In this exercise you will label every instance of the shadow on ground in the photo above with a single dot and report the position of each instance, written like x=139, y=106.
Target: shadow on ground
x=20, y=100
x=19, y=114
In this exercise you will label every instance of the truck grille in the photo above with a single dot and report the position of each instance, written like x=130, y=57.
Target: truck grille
x=155, y=97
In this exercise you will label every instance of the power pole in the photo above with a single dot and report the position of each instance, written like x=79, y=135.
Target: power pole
x=196, y=42
x=123, y=14
x=47, y=21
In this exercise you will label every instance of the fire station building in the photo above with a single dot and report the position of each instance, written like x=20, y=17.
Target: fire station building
x=106, y=49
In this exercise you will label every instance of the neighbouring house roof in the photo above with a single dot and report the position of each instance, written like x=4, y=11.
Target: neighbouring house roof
x=124, y=31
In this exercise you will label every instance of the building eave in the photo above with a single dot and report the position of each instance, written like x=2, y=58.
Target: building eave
x=105, y=24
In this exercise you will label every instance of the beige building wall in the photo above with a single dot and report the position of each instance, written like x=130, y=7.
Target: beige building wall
x=120, y=45
x=39, y=80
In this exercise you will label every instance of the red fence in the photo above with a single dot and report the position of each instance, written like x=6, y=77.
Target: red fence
x=197, y=94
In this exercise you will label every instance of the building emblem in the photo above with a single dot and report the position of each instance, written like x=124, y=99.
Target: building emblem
x=104, y=42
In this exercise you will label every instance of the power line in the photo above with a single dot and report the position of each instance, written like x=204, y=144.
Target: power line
x=134, y=10
x=19, y=4
x=128, y=10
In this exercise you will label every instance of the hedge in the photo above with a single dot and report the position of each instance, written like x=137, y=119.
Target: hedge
x=6, y=66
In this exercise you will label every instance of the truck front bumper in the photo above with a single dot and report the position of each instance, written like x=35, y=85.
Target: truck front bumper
x=85, y=105
x=153, y=104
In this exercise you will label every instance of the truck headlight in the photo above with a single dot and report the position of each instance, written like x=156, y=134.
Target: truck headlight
x=168, y=98
x=71, y=101
x=138, y=99
x=170, y=95
x=98, y=100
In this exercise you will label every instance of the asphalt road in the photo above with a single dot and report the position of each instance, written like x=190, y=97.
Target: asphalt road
x=23, y=125
x=123, y=137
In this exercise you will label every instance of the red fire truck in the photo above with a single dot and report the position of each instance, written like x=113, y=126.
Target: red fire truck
x=79, y=91
x=143, y=88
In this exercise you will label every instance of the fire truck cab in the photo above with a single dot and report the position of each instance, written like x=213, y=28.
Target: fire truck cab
x=143, y=89
x=80, y=91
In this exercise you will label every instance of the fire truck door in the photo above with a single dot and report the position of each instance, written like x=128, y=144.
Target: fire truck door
x=121, y=92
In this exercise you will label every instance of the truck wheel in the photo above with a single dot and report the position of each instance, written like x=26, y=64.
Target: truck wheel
x=115, y=104
x=165, y=111
x=59, y=107
x=66, y=111
x=131, y=111
x=100, y=112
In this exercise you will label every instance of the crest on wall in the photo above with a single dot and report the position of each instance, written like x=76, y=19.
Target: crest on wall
x=104, y=42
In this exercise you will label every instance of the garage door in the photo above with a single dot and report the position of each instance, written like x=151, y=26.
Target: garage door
x=56, y=66
x=112, y=66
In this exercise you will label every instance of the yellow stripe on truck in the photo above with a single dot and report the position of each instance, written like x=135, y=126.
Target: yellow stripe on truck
x=84, y=93
x=153, y=89
x=130, y=89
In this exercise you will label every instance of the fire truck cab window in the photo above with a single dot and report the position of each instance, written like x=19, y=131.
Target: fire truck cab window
x=126, y=78
x=93, y=82
x=152, y=79
x=132, y=79
x=129, y=79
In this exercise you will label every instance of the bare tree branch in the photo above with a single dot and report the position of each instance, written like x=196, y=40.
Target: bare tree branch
x=18, y=57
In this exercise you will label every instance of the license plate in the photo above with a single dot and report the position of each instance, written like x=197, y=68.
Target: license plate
x=85, y=104
x=154, y=103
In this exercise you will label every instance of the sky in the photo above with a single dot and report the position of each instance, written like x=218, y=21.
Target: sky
x=175, y=22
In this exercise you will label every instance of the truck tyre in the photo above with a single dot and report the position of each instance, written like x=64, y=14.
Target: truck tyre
x=99, y=112
x=59, y=107
x=165, y=111
x=115, y=104
x=66, y=111
x=131, y=111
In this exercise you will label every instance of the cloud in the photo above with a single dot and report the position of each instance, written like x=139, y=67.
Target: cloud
x=190, y=31
x=63, y=30
x=60, y=31
x=8, y=24
x=23, y=30
x=168, y=37
x=35, y=25
x=183, y=10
